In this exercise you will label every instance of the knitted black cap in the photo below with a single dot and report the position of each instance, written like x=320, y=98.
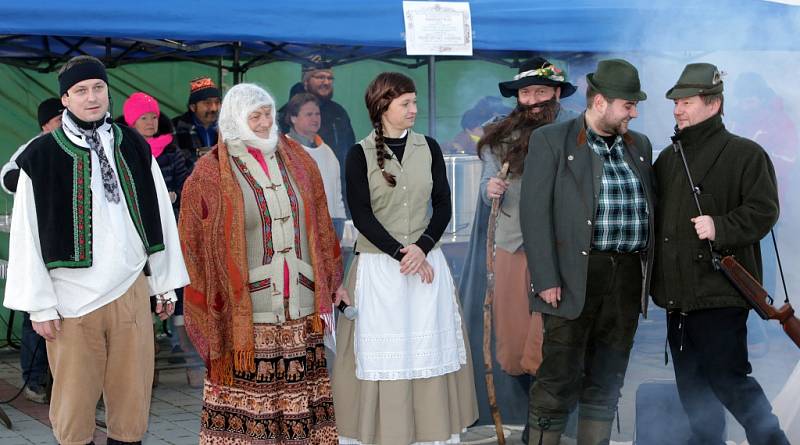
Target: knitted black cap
x=48, y=109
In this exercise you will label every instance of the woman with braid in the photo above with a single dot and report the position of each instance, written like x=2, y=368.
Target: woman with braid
x=403, y=372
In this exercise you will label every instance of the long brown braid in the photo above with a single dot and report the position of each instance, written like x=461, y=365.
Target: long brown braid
x=380, y=93
x=383, y=154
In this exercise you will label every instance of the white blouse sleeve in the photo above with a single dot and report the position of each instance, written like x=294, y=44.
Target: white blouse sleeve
x=29, y=287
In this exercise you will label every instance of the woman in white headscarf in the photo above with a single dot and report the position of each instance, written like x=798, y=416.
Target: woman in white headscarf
x=265, y=268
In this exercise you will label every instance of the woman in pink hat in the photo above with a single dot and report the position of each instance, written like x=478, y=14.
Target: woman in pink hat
x=141, y=112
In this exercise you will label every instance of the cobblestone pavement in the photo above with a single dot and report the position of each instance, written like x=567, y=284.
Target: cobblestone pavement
x=175, y=408
x=174, y=413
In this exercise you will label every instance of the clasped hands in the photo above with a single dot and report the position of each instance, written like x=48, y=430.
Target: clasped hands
x=414, y=262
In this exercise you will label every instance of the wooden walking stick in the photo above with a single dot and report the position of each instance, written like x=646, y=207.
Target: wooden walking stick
x=487, y=314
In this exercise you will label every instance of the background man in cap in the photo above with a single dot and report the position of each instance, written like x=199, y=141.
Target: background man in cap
x=196, y=130
x=538, y=87
x=586, y=210
x=33, y=354
x=49, y=115
x=706, y=325
x=92, y=238
x=335, y=128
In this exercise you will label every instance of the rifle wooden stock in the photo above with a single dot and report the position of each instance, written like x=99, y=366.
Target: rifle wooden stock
x=759, y=299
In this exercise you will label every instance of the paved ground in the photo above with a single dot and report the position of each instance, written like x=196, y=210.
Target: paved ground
x=174, y=413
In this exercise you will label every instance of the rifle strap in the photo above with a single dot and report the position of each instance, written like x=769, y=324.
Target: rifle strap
x=714, y=163
x=780, y=267
x=695, y=190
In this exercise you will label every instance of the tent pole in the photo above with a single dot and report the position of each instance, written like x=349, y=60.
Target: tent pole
x=220, y=75
x=432, y=96
x=237, y=66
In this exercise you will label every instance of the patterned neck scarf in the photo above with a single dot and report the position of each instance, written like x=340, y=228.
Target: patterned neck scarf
x=88, y=130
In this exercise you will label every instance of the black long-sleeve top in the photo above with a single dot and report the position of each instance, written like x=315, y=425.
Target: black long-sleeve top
x=364, y=219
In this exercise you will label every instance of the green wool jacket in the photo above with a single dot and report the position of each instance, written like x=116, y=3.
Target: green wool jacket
x=737, y=189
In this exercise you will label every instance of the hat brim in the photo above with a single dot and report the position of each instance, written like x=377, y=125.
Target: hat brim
x=613, y=93
x=681, y=93
x=510, y=88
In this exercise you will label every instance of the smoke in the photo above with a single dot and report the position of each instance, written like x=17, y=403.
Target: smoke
x=755, y=44
x=460, y=86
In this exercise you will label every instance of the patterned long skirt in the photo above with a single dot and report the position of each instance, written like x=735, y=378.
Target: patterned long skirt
x=287, y=401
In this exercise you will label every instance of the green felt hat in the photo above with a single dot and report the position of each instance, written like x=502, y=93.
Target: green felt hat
x=617, y=79
x=697, y=79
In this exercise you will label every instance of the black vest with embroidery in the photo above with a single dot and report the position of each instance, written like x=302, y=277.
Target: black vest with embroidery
x=61, y=173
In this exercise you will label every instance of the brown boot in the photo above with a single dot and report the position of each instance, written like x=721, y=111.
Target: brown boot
x=594, y=432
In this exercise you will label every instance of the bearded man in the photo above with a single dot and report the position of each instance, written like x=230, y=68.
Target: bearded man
x=538, y=87
x=586, y=214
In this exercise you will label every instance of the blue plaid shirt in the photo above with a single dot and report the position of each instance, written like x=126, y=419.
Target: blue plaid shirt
x=621, y=223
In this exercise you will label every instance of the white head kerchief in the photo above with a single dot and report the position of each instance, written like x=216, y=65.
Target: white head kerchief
x=239, y=102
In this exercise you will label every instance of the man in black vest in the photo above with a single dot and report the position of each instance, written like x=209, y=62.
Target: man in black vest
x=586, y=213
x=706, y=323
x=92, y=238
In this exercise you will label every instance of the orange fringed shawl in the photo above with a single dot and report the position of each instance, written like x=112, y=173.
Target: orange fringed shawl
x=217, y=307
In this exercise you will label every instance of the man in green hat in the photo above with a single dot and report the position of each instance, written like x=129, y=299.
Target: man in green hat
x=706, y=323
x=586, y=209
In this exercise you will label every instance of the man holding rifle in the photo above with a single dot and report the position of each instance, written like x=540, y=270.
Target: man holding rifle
x=734, y=182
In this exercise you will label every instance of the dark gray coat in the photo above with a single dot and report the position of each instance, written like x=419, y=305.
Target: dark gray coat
x=738, y=190
x=558, y=204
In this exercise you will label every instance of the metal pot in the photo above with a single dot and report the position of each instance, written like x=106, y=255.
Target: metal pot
x=464, y=176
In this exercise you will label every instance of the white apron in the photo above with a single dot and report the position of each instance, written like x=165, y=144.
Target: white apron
x=406, y=329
